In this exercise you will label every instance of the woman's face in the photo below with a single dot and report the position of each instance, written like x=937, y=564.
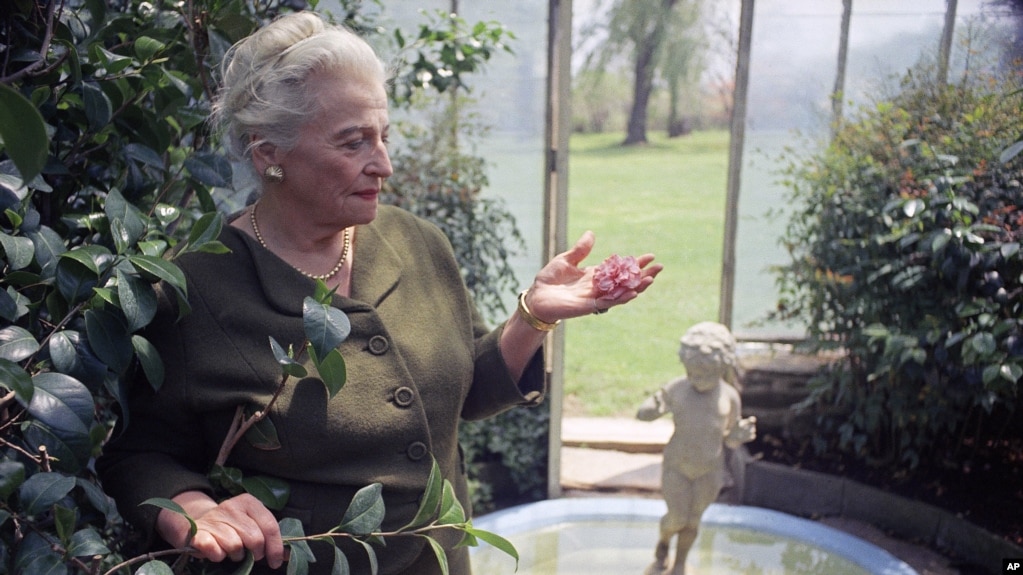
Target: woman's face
x=336, y=170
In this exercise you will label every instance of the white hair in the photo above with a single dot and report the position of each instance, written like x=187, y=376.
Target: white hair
x=264, y=97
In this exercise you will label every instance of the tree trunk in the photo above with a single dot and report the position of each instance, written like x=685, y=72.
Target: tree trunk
x=947, y=34
x=646, y=55
x=838, y=94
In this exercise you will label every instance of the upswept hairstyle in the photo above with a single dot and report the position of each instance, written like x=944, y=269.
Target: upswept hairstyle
x=263, y=96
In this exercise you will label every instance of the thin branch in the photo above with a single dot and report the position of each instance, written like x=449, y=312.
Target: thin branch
x=47, y=38
x=147, y=557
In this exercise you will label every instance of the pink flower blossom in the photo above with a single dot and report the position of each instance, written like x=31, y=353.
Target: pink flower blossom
x=617, y=275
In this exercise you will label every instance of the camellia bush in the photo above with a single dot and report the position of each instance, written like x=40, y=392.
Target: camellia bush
x=107, y=175
x=905, y=241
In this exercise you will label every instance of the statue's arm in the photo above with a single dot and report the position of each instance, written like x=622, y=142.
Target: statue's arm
x=652, y=408
x=739, y=430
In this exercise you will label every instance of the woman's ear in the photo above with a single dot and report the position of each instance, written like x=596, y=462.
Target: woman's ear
x=263, y=155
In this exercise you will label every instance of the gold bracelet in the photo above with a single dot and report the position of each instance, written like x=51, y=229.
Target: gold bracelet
x=534, y=322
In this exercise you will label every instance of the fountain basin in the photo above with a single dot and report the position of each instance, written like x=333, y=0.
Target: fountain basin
x=616, y=535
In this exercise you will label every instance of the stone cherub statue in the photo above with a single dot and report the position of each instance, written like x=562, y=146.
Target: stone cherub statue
x=706, y=408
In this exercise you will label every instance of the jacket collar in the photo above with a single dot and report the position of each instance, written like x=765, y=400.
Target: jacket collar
x=376, y=271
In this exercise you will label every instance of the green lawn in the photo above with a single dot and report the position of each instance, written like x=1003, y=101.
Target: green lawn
x=667, y=198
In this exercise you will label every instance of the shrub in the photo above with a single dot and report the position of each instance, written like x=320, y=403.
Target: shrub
x=905, y=254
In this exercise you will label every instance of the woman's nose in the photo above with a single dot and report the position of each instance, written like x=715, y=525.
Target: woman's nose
x=380, y=164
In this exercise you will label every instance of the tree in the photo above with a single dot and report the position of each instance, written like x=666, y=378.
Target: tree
x=658, y=36
x=682, y=65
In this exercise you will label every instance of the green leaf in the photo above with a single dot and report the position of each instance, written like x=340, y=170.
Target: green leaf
x=146, y=48
x=99, y=500
x=1011, y=152
x=66, y=408
x=451, y=512
x=991, y=374
x=145, y=155
x=113, y=63
x=15, y=378
x=301, y=554
x=204, y=231
x=365, y=513
x=23, y=133
x=130, y=219
x=438, y=551
x=341, y=566
x=17, y=343
x=93, y=258
x=210, y=169
x=75, y=280
x=10, y=307
x=271, y=491
x=87, y=543
x=12, y=476
x=98, y=109
x=230, y=478
x=18, y=250
x=333, y=372
x=325, y=326
x=288, y=365
x=430, y=501
x=984, y=343
x=36, y=555
x=496, y=540
x=48, y=247
x=137, y=299
x=42, y=490
x=913, y=207
x=64, y=519
x=155, y=567
x=150, y=360
x=172, y=506
x=109, y=339
x=263, y=435
x=371, y=555
x=156, y=269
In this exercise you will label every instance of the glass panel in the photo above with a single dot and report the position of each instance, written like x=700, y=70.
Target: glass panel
x=510, y=96
x=793, y=64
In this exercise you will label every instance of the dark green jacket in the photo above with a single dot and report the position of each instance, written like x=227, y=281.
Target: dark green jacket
x=418, y=359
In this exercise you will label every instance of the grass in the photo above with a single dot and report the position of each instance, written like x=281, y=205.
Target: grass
x=667, y=198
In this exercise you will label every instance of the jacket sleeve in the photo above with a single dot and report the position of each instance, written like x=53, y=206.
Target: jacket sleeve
x=494, y=390
x=156, y=449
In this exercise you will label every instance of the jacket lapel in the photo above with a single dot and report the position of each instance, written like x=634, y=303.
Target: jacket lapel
x=376, y=272
x=377, y=265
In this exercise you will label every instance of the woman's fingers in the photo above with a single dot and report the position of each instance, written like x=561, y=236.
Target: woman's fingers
x=238, y=525
x=577, y=253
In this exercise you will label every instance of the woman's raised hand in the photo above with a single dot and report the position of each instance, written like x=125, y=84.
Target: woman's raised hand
x=564, y=290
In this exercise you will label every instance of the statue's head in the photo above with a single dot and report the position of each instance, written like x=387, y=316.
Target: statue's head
x=709, y=346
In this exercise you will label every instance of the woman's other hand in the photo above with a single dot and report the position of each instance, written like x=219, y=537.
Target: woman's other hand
x=225, y=530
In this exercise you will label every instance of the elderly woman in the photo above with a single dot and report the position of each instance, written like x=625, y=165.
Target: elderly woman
x=306, y=104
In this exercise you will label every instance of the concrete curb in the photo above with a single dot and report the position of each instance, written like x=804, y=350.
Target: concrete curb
x=815, y=495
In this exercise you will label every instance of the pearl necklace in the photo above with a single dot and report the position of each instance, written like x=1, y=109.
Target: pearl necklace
x=326, y=276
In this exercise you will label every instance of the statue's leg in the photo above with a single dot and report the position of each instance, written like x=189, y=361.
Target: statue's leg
x=667, y=531
x=686, y=537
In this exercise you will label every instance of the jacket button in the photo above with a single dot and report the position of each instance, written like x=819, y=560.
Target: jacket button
x=404, y=396
x=378, y=345
x=416, y=450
